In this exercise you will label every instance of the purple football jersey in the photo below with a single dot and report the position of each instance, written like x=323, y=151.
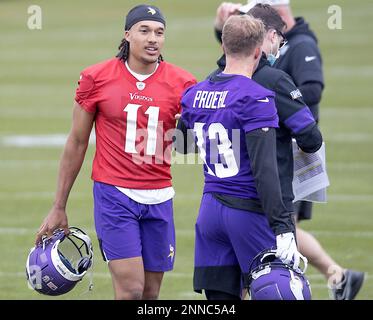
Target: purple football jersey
x=220, y=111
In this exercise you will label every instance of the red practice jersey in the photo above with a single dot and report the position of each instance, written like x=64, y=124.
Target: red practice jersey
x=134, y=122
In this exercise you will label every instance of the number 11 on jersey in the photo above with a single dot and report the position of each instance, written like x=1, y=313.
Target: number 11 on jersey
x=131, y=132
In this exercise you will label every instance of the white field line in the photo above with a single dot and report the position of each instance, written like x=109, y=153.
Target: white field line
x=351, y=137
x=341, y=71
x=346, y=111
x=24, y=141
x=58, y=140
x=350, y=197
x=30, y=141
x=355, y=166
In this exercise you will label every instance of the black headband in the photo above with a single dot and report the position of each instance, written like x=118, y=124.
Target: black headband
x=143, y=12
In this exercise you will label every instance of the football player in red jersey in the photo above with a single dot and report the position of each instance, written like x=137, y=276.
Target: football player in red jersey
x=132, y=100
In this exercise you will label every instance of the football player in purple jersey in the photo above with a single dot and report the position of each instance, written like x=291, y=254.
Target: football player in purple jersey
x=234, y=121
x=302, y=84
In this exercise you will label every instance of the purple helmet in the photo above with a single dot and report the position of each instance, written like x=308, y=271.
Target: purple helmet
x=271, y=279
x=58, y=263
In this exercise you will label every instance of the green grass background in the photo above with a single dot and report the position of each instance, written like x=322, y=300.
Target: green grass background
x=38, y=75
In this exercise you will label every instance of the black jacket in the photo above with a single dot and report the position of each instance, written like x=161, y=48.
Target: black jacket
x=301, y=59
x=309, y=138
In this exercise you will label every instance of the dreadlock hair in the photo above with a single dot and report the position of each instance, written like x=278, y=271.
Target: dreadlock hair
x=124, y=50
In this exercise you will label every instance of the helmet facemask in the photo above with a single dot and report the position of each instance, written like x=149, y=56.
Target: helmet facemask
x=57, y=264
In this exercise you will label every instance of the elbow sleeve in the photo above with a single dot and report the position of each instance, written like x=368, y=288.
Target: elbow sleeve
x=310, y=139
x=311, y=92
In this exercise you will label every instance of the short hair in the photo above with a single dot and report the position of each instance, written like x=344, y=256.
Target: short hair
x=242, y=34
x=269, y=16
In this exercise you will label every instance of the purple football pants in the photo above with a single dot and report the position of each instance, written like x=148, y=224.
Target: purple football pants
x=126, y=228
x=227, y=240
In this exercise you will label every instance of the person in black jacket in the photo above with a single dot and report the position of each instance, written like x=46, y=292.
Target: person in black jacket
x=295, y=117
x=300, y=57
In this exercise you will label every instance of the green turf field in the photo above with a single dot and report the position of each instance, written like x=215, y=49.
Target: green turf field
x=38, y=74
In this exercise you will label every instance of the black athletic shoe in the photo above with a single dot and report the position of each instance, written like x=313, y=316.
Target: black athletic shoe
x=349, y=287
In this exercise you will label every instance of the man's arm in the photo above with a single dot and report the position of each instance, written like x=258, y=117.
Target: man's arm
x=224, y=11
x=310, y=139
x=70, y=164
x=261, y=147
x=296, y=116
x=183, y=139
x=306, y=71
x=312, y=92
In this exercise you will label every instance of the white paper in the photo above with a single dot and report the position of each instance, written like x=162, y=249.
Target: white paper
x=310, y=177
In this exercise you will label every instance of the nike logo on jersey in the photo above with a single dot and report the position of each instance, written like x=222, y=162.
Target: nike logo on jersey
x=309, y=59
x=263, y=100
x=152, y=11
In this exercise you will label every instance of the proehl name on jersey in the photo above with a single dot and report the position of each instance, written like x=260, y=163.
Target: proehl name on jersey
x=220, y=111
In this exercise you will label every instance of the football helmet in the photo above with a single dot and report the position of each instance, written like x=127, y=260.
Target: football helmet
x=271, y=279
x=58, y=263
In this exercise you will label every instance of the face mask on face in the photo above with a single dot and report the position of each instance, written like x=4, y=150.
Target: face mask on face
x=272, y=58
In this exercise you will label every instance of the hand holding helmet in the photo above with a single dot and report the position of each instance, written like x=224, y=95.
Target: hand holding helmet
x=287, y=250
x=59, y=262
x=56, y=219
